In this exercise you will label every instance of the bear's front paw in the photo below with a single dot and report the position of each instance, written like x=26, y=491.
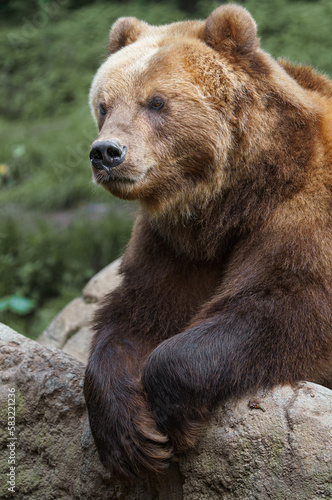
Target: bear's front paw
x=183, y=423
x=130, y=445
x=179, y=403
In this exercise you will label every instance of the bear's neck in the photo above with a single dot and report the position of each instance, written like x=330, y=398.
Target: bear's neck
x=210, y=233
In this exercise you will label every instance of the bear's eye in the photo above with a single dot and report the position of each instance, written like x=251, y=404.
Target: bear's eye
x=102, y=109
x=156, y=103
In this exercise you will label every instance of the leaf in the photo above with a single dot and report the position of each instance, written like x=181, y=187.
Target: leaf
x=21, y=305
x=17, y=304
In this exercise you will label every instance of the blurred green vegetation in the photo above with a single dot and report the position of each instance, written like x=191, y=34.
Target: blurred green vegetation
x=48, y=263
x=50, y=50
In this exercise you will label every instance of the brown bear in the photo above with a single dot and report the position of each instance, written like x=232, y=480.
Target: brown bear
x=226, y=281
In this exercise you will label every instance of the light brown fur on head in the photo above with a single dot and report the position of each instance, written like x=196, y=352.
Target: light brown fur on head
x=222, y=94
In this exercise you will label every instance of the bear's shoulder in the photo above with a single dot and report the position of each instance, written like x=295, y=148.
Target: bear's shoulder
x=308, y=78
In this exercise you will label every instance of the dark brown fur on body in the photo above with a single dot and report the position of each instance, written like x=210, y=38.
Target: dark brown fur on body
x=227, y=282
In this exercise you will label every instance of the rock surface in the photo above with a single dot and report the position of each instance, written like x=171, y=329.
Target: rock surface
x=280, y=453
x=284, y=452
x=50, y=410
x=71, y=328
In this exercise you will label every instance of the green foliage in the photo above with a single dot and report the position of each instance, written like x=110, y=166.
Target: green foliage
x=15, y=12
x=298, y=30
x=37, y=261
x=41, y=260
x=48, y=162
x=48, y=66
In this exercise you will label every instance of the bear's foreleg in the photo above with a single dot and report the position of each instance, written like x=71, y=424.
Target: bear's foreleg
x=257, y=339
x=123, y=427
x=158, y=297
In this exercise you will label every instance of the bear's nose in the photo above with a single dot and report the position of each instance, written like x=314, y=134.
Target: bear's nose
x=105, y=155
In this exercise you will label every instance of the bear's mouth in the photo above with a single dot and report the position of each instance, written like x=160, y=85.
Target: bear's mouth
x=128, y=175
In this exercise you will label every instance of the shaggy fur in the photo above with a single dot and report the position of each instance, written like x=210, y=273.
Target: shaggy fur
x=227, y=282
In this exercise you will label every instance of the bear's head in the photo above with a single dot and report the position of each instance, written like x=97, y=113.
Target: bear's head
x=189, y=111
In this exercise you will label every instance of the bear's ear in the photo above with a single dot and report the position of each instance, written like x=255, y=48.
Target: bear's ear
x=230, y=28
x=125, y=31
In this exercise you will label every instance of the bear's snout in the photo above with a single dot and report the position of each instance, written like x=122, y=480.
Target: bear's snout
x=105, y=155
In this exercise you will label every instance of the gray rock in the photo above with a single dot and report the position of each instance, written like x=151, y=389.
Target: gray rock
x=67, y=323
x=71, y=328
x=79, y=344
x=284, y=452
x=50, y=412
x=102, y=283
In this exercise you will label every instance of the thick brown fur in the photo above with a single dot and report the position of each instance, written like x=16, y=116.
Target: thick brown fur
x=227, y=283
